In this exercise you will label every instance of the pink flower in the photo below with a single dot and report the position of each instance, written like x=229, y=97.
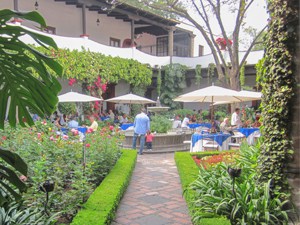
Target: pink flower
x=89, y=130
x=65, y=137
x=73, y=130
x=51, y=138
x=87, y=145
x=103, y=87
x=4, y=138
x=39, y=135
x=111, y=127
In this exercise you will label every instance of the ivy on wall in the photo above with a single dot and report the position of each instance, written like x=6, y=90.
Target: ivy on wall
x=278, y=88
x=198, y=76
x=174, y=81
x=242, y=75
x=210, y=72
x=87, y=66
x=159, y=82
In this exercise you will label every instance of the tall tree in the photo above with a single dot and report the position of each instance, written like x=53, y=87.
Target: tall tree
x=201, y=14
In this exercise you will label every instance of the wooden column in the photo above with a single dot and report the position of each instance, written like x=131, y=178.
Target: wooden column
x=84, y=33
x=16, y=5
x=132, y=33
x=191, y=45
x=171, y=41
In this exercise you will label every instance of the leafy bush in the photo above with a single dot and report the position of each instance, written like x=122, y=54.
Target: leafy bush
x=16, y=213
x=160, y=124
x=103, y=203
x=253, y=204
x=57, y=157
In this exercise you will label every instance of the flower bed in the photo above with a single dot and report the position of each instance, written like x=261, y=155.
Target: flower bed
x=59, y=158
x=208, y=161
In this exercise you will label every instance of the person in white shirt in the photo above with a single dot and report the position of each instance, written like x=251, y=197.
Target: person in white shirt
x=176, y=122
x=235, y=118
x=185, y=121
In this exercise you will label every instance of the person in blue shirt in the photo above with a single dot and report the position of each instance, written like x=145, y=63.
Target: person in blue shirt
x=73, y=123
x=141, y=127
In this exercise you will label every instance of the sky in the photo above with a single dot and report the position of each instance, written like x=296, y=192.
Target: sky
x=256, y=17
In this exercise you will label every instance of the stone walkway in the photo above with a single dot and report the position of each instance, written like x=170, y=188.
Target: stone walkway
x=154, y=195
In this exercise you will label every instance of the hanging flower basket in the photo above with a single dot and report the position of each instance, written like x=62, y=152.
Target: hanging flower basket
x=222, y=42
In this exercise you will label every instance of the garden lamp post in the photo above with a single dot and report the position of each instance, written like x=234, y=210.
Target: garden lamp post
x=46, y=187
x=234, y=173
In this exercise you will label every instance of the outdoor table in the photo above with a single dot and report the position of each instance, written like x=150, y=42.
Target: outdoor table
x=82, y=129
x=125, y=126
x=249, y=133
x=195, y=125
x=220, y=138
x=64, y=130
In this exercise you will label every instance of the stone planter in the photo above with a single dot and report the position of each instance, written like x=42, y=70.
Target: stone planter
x=171, y=141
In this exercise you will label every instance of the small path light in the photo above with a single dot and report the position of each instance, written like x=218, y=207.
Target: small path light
x=234, y=173
x=47, y=186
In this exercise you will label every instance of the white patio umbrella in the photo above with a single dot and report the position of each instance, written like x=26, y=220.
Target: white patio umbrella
x=77, y=97
x=130, y=99
x=251, y=94
x=213, y=94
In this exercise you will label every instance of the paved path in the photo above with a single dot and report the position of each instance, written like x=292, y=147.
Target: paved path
x=154, y=195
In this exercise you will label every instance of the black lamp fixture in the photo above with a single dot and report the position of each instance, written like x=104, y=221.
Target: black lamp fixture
x=36, y=5
x=98, y=21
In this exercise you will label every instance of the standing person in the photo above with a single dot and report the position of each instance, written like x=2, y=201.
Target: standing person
x=235, y=118
x=149, y=140
x=141, y=126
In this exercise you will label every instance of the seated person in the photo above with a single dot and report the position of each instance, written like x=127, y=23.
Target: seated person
x=94, y=124
x=73, y=123
x=176, y=122
x=225, y=128
x=123, y=119
x=256, y=122
x=194, y=119
x=214, y=127
x=186, y=121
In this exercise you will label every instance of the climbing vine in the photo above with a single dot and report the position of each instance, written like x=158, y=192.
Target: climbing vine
x=210, y=72
x=242, y=74
x=159, y=82
x=173, y=83
x=86, y=66
x=278, y=88
x=198, y=75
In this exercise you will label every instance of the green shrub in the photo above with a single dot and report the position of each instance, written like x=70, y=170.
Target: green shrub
x=254, y=204
x=102, y=204
x=51, y=156
x=160, y=124
x=188, y=172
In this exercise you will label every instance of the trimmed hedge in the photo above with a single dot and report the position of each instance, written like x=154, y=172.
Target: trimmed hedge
x=101, y=206
x=188, y=172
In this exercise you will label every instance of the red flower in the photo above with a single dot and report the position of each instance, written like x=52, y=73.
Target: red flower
x=4, y=138
x=104, y=87
x=87, y=145
x=72, y=81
